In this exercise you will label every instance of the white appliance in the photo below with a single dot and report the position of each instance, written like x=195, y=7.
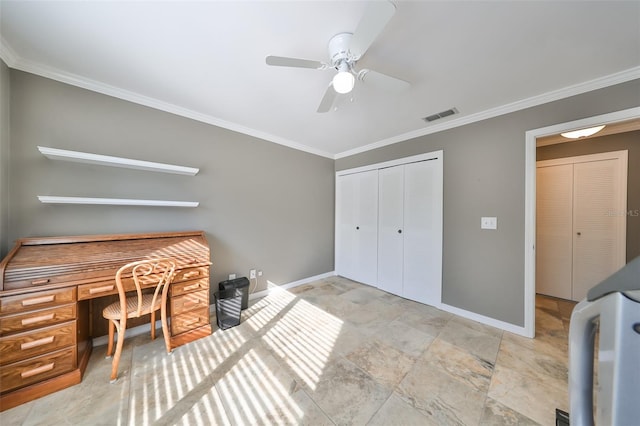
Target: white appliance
x=614, y=307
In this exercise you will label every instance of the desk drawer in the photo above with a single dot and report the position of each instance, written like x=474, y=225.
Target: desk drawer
x=37, y=369
x=189, y=302
x=191, y=274
x=42, y=299
x=105, y=288
x=189, y=321
x=178, y=289
x=34, y=319
x=37, y=342
x=93, y=290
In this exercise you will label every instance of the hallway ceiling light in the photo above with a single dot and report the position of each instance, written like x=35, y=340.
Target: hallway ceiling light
x=582, y=133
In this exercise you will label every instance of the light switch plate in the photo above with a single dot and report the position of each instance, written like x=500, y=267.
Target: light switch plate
x=489, y=223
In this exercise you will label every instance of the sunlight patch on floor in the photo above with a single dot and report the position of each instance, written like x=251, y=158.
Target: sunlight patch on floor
x=304, y=338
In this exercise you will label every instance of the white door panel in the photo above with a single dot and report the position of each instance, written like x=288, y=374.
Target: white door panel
x=367, y=228
x=357, y=221
x=596, y=229
x=390, y=227
x=423, y=232
x=554, y=234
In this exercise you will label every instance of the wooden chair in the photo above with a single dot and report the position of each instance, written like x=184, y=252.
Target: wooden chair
x=144, y=274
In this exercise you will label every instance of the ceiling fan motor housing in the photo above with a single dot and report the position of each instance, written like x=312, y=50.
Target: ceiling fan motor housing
x=339, y=50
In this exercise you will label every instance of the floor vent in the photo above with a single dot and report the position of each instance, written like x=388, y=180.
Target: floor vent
x=440, y=115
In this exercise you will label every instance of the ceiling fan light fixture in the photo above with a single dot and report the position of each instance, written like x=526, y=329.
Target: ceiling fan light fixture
x=343, y=82
x=582, y=133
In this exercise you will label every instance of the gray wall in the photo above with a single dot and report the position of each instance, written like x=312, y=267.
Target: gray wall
x=4, y=155
x=484, y=174
x=262, y=205
x=629, y=141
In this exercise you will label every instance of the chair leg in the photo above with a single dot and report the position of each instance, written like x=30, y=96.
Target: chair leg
x=121, y=326
x=110, y=344
x=165, y=326
x=153, y=325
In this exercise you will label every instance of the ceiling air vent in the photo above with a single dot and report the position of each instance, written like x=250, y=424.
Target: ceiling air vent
x=440, y=115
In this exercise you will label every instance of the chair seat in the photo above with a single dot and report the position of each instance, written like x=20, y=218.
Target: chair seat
x=113, y=310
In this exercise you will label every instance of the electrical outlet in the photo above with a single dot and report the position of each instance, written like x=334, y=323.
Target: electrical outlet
x=252, y=274
x=232, y=276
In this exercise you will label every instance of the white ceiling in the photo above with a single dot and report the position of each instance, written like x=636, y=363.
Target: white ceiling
x=206, y=60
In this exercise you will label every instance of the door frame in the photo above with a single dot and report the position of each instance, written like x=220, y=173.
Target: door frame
x=530, y=200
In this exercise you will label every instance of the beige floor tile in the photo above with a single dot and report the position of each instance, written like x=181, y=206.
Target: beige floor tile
x=18, y=415
x=258, y=389
x=496, y=414
x=426, y=321
x=533, y=363
x=363, y=294
x=476, y=341
x=405, y=338
x=458, y=364
x=396, y=412
x=347, y=394
x=386, y=364
x=329, y=352
x=534, y=397
x=440, y=397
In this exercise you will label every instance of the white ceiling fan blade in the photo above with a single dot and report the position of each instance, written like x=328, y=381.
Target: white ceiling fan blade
x=327, y=100
x=382, y=81
x=282, y=61
x=375, y=18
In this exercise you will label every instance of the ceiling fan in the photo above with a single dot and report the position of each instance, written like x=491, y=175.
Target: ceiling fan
x=345, y=49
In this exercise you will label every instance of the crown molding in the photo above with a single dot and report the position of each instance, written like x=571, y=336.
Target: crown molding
x=576, y=89
x=14, y=61
x=7, y=54
x=95, y=86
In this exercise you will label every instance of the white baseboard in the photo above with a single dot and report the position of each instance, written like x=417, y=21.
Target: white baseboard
x=485, y=320
x=273, y=287
x=144, y=328
x=522, y=331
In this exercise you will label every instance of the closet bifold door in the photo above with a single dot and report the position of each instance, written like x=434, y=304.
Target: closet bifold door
x=599, y=223
x=554, y=230
x=423, y=232
x=357, y=226
x=390, y=229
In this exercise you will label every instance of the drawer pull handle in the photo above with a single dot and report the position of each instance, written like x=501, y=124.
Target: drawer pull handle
x=191, y=274
x=36, y=343
x=33, y=320
x=102, y=289
x=38, y=300
x=37, y=370
x=191, y=287
x=190, y=323
x=40, y=281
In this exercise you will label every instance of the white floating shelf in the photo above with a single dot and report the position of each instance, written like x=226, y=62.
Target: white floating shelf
x=106, y=160
x=115, y=201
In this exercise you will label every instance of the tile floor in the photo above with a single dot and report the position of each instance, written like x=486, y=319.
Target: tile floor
x=329, y=352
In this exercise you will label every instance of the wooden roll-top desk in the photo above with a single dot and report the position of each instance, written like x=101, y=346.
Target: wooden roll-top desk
x=53, y=290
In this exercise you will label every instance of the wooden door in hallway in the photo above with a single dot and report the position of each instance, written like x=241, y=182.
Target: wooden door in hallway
x=581, y=222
